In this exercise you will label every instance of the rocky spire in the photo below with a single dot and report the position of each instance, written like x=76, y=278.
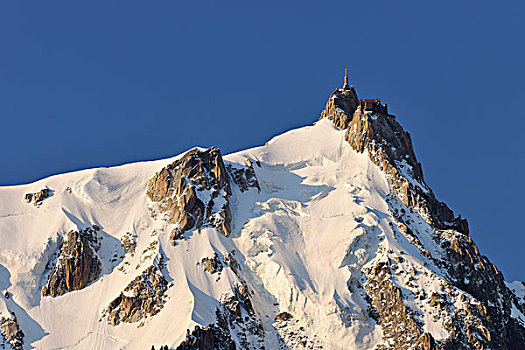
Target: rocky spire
x=487, y=323
x=390, y=148
x=341, y=105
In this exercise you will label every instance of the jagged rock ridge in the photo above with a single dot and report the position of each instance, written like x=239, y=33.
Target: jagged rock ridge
x=487, y=323
x=193, y=191
x=143, y=297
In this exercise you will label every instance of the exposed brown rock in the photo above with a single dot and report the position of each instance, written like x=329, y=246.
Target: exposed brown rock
x=11, y=332
x=390, y=148
x=341, y=107
x=77, y=265
x=232, y=262
x=426, y=342
x=213, y=264
x=28, y=197
x=129, y=242
x=283, y=316
x=142, y=297
x=189, y=190
x=476, y=275
x=398, y=326
x=38, y=197
x=238, y=316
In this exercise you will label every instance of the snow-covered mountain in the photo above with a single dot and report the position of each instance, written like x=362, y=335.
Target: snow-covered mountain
x=327, y=237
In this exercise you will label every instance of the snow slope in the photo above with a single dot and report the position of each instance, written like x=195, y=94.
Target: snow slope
x=324, y=213
x=316, y=200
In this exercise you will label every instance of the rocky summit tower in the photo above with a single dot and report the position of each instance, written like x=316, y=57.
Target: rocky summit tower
x=341, y=105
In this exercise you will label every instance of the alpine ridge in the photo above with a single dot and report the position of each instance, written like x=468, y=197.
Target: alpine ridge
x=327, y=237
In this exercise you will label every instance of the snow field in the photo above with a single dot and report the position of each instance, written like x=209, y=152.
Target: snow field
x=325, y=215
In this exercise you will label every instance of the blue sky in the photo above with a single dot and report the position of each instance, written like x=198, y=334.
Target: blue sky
x=105, y=83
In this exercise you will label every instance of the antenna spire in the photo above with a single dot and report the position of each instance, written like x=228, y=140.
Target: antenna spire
x=345, y=86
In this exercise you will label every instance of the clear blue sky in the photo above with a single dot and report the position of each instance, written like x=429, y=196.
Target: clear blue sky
x=104, y=83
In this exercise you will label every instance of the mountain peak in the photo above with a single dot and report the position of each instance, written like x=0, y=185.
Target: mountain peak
x=370, y=128
x=326, y=236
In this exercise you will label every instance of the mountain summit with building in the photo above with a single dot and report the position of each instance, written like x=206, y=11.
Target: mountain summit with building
x=327, y=237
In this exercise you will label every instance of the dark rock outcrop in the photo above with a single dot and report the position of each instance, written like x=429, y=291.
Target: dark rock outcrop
x=213, y=264
x=244, y=177
x=11, y=332
x=142, y=297
x=238, y=315
x=207, y=338
x=238, y=301
x=38, y=197
x=232, y=262
x=77, y=265
x=471, y=299
x=193, y=192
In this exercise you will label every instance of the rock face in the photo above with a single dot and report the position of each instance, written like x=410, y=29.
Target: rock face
x=341, y=106
x=476, y=275
x=244, y=177
x=484, y=319
x=143, y=297
x=193, y=192
x=235, y=318
x=77, y=265
x=399, y=327
x=11, y=332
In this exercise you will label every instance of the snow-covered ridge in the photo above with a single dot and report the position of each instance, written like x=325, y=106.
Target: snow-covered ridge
x=320, y=253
